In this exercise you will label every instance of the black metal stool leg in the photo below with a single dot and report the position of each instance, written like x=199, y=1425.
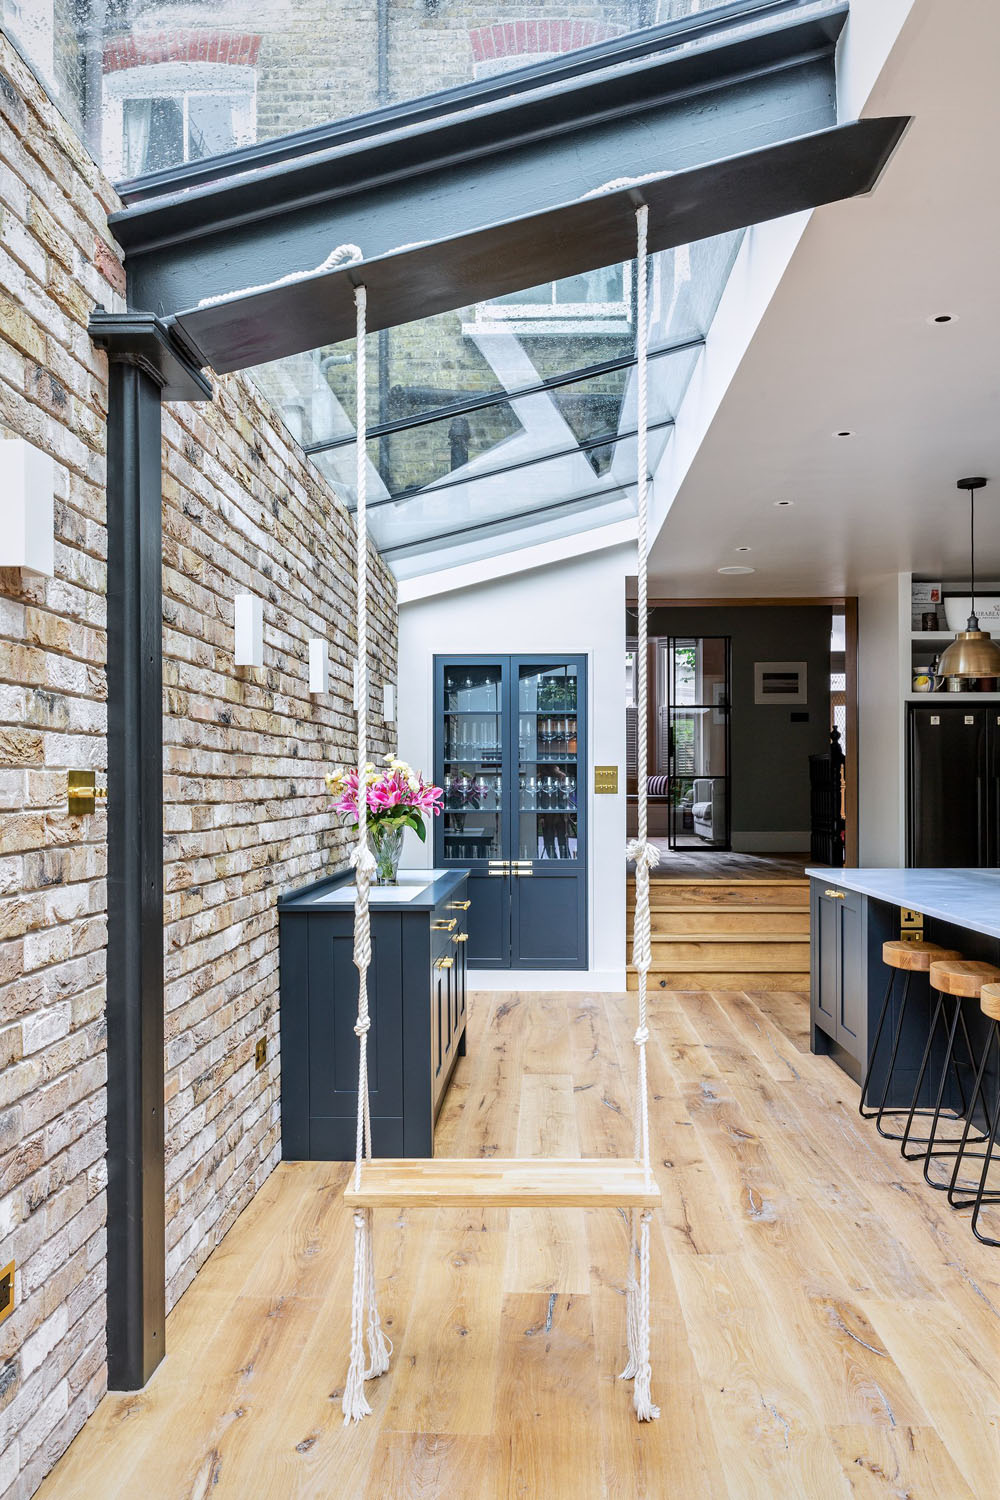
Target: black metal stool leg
x=867, y=1114
x=921, y=1074
x=946, y=1067
x=977, y=1090
x=893, y=1135
x=982, y=1196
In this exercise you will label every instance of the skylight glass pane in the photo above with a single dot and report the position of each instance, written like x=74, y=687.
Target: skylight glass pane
x=244, y=72
x=500, y=425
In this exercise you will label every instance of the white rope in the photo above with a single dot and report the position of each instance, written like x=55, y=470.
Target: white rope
x=363, y=1297
x=646, y=857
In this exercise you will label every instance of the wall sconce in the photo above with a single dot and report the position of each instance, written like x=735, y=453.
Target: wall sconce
x=388, y=703
x=249, y=621
x=319, y=666
x=27, y=519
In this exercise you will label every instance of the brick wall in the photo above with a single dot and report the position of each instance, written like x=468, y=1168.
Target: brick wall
x=56, y=260
x=244, y=813
x=245, y=817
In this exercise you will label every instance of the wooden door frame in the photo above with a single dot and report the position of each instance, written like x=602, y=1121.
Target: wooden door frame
x=849, y=604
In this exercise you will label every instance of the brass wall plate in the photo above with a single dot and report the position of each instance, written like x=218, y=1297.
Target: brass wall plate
x=260, y=1052
x=911, y=925
x=82, y=793
x=6, y=1291
x=605, y=779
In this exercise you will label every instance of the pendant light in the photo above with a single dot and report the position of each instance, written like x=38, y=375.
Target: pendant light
x=972, y=653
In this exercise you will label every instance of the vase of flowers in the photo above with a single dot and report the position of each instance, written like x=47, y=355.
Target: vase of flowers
x=395, y=799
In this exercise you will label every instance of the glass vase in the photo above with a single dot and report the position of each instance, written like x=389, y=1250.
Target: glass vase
x=386, y=844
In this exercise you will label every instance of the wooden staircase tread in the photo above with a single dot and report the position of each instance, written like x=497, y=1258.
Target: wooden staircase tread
x=750, y=938
x=490, y=1182
x=732, y=911
x=710, y=966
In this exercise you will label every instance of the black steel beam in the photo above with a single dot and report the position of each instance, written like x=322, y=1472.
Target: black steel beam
x=501, y=398
x=136, y=1253
x=410, y=113
x=554, y=242
x=444, y=177
x=603, y=440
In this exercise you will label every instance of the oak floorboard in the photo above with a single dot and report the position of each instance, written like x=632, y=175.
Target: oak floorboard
x=547, y=1248
x=823, y=1326
x=882, y=1463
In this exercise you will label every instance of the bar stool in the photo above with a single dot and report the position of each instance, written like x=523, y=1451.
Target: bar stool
x=989, y=1000
x=908, y=957
x=954, y=979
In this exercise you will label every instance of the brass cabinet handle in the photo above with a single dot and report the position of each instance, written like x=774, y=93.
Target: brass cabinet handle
x=444, y=963
x=838, y=894
x=524, y=872
x=460, y=937
x=497, y=868
x=445, y=924
x=459, y=905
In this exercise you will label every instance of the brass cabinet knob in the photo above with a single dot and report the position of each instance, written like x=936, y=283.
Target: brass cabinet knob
x=460, y=937
x=839, y=895
x=444, y=963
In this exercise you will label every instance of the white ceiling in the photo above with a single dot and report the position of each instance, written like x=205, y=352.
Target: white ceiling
x=845, y=344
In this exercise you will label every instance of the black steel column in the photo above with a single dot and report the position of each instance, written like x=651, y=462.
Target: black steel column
x=136, y=1254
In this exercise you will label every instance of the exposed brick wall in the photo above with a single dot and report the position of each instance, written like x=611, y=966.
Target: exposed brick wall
x=244, y=813
x=53, y=392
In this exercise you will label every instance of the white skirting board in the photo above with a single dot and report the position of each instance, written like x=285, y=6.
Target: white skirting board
x=578, y=981
x=796, y=842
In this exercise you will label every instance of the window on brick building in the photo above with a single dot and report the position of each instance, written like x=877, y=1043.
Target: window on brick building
x=159, y=115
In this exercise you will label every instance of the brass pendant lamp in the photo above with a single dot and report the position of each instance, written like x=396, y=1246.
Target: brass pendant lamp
x=972, y=653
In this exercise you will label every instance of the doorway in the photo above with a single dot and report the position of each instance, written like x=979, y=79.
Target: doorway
x=693, y=738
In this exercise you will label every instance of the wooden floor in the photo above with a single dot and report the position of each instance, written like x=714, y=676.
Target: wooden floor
x=824, y=1327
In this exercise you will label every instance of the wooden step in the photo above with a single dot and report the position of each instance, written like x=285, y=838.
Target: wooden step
x=702, y=920
x=490, y=1183
x=666, y=894
x=745, y=978
x=732, y=951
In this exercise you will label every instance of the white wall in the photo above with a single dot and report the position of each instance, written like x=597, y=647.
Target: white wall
x=881, y=761
x=578, y=607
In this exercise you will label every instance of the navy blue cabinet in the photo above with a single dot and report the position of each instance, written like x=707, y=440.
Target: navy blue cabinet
x=510, y=753
x=417, y=1002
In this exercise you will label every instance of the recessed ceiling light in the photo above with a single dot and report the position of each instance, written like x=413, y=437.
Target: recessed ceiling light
x=736, y=568
x=782, y=503
x=942, y=318
x=844, y=432
x=742, y=549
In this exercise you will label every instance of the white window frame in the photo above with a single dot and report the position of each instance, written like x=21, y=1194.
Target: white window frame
x=180, y=81
x=556, y=317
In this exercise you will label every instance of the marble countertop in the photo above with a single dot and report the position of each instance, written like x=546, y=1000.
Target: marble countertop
x=966, y=898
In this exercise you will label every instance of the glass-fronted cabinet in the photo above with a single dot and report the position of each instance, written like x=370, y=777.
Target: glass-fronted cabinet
x=510, y=755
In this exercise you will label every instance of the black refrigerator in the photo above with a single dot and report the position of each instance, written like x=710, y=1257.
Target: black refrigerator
x=953, y=785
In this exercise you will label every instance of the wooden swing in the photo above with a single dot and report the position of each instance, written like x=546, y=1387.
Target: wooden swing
x=622, y=1183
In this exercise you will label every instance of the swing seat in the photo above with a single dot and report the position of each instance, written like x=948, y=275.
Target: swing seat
x=485, y=1182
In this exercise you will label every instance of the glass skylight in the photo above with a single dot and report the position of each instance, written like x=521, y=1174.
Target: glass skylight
x=509, y=422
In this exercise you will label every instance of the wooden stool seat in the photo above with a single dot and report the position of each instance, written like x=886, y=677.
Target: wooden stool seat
x=915, y=957
x=989, y=999
x=963, y=976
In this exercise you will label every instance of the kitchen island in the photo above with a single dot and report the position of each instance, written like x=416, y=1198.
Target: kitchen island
x=852, y=913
